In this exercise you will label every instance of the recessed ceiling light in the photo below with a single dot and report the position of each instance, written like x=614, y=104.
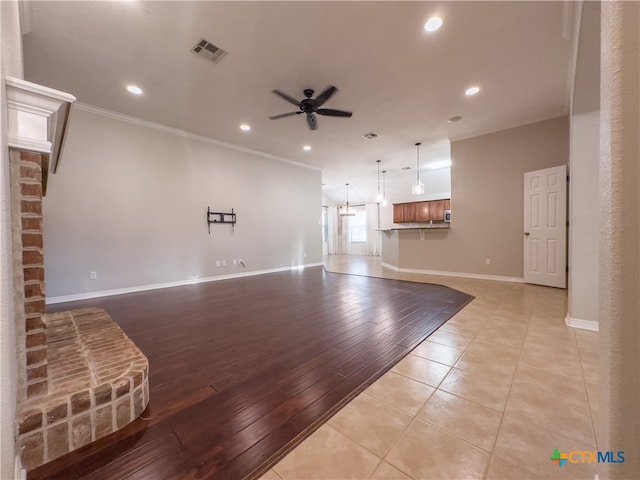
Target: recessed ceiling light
x=134, y=89
x=244, y=127
x=471, y=91
x=306, y=148
x=457, y=118
x=433, y=24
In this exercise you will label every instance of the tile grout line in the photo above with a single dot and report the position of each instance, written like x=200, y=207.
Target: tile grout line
x=504, y=411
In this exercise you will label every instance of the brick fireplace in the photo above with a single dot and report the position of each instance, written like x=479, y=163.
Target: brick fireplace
x=28, y=258
x=79, y=377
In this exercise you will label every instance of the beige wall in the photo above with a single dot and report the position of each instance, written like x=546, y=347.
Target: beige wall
x=129, y=202
x=389, y=248
x=487, y=202
x=620, y=236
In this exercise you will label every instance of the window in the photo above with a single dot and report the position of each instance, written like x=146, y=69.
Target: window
x=359, y=225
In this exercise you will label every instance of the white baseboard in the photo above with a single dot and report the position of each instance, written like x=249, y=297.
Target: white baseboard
x=582, y=324
x=478, y=276
x=179, y=283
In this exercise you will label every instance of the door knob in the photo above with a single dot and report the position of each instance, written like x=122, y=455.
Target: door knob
x=526, y=234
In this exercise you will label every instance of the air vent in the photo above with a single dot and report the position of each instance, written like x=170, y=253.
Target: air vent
x=370, y=135
x=209, y=51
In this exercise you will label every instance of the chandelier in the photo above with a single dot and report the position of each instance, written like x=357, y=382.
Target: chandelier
x=345, y=210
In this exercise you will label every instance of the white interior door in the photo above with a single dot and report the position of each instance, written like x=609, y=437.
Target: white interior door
x=545, y=227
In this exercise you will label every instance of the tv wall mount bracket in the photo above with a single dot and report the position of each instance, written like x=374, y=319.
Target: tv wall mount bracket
x=220, y=217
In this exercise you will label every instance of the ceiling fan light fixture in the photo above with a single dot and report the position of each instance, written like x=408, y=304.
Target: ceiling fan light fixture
x=311, y=106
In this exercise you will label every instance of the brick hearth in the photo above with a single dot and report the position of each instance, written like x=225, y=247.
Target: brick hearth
x=98, y=383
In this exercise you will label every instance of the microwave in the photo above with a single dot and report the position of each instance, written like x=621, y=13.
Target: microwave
x=447, y=215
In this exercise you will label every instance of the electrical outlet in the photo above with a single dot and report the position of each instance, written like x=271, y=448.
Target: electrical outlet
x=235, y=262
x=487, y=261
x=224, y=263
x=93, y=275
x=217, y=263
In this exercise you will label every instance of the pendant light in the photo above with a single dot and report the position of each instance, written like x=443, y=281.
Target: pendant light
x=379, y=197
x=418, y=187
x=345, y=211
x=384, y=188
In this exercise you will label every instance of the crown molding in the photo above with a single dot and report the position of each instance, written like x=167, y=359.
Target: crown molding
x=183, y=133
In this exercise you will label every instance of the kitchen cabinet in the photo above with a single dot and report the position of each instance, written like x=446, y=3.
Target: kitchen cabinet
x=436, y=210
x=398, y=212
x=422, y=212
x=404, y=212
x=409, y=212
x=427, y=211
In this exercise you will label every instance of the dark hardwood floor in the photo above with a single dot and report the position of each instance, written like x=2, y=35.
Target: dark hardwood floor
x=242, y=370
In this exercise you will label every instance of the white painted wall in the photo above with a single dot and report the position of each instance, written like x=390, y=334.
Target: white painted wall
x=10, y=64
x=584, y=224
x=583, y=217
x=129, y=202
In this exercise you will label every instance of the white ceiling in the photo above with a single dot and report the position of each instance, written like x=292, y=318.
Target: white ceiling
x=400, y=81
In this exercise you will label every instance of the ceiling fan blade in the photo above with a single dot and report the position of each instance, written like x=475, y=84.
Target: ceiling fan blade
x=287, y=97
x=326, y=95
x=311, y=120
x=282, y=115
x=333, y=113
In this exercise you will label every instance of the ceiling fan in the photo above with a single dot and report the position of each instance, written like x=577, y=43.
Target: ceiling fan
x=311, y=106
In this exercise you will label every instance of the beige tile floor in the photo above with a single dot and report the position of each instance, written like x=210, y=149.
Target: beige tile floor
x=490, y=395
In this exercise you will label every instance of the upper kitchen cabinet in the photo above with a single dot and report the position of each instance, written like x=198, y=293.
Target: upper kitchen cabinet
x=428, y=211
